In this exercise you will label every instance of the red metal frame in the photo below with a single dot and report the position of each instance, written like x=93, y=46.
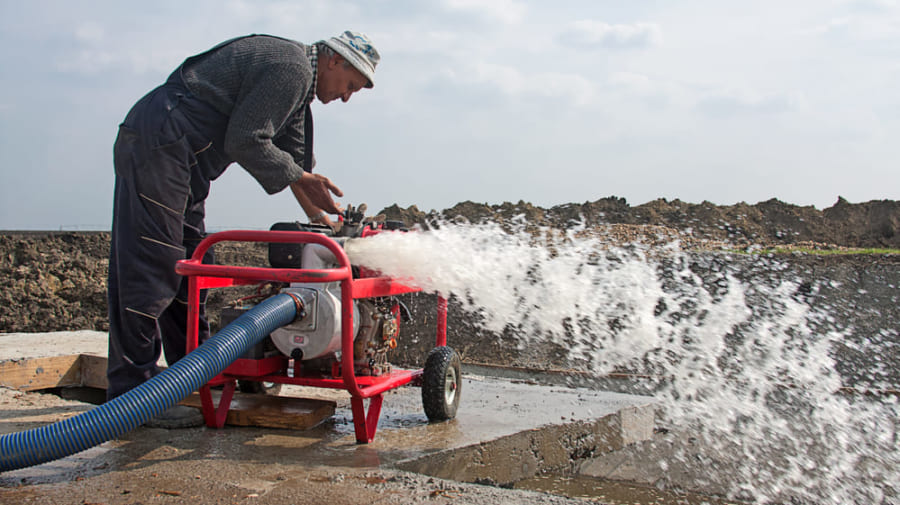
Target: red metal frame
x=202, y=276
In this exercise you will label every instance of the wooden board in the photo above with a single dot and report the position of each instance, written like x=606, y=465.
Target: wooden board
x=267, y=411
x=72, y=370
x=86, y=370
x=32, y=374
x=93, y=371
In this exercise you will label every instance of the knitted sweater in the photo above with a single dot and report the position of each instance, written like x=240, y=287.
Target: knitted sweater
x=264, y=85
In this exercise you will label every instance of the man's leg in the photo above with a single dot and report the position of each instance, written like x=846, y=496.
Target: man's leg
x=133, y=345
x=173, y=322
x=152, y=184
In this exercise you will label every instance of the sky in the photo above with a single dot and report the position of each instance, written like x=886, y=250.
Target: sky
x=488, y=101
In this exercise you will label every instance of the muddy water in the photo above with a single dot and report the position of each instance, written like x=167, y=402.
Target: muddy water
x=747, y=364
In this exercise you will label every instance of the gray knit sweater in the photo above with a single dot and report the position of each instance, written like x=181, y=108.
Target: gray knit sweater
x=264, y=85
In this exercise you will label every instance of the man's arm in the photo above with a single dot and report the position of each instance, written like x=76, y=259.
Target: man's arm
x=271, y=98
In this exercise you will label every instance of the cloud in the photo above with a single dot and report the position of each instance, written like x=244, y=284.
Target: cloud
x=864, y=20
x=731, y=104
x=511, y=82
x=89, y=32
x=86, y=43
x=290, y=18
x=435, y=42
x=505, y=11
x=861, y=32
x=637, y=83
x=92, y=48
x=592, y=34
x=875, y=6
x=652, y=92
x=92, y=60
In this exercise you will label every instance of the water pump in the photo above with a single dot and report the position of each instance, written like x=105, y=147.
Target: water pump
x=348, y=320
x=314, y=341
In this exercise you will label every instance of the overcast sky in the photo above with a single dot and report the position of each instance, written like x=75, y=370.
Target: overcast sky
x=489, y=101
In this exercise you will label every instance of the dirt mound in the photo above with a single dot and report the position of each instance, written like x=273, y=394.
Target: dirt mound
x=874, y=224
x=57, y=280
x=53, y=281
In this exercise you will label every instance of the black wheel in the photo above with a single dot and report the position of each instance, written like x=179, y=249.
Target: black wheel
x=254, y=387
x=441, y=384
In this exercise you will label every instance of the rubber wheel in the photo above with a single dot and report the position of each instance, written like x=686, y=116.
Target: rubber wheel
x=441, y=384
x=254, y=387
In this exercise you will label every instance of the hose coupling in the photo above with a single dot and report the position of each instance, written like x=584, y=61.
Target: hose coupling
x=298, y=305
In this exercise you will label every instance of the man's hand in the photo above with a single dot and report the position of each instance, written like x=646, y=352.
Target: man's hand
x=318, y=189
x=326, y=220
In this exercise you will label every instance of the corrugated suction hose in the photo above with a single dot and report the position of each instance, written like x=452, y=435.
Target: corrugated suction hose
x=135, y=407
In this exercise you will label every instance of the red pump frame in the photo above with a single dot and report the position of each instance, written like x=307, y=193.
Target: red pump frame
x=274, y=369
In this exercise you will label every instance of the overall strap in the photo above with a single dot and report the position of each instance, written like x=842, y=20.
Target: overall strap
x=180, y=70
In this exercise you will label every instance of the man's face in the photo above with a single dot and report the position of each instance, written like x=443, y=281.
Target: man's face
x=338, y=80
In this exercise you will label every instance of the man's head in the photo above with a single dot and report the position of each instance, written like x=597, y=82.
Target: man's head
x=346, y=65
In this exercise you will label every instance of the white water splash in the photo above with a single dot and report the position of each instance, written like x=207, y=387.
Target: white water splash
x=744, y=370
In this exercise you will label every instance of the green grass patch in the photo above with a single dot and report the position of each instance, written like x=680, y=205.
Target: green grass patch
x=843, y=251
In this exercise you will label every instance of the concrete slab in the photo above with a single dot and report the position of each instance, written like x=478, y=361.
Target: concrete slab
x=505, y=430
x=57, y=343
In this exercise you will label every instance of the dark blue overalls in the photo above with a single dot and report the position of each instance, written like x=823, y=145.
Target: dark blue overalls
x=168, y=149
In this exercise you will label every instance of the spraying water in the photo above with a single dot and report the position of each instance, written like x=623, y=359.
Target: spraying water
x=746, y=364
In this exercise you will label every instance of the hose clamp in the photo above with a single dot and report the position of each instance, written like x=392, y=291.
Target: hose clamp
x=298, y=305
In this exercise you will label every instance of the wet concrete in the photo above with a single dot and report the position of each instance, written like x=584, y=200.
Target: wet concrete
x=616, y=492
x=506, y=430
x=493, y=411
x=513, y=431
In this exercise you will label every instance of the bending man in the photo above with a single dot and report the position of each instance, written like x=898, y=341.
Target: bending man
x=247, y=100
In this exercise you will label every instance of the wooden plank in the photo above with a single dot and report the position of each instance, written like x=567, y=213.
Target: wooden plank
x=93, y=371
x=31, y=374
x=88, y=370
x=267, y=411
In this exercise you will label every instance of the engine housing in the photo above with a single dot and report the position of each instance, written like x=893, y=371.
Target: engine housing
x=318, y=333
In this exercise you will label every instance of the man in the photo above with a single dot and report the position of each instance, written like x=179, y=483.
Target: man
x=246, y=100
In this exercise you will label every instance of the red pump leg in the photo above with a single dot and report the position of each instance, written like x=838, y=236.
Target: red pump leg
x=212, y=415
x=364, y=423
